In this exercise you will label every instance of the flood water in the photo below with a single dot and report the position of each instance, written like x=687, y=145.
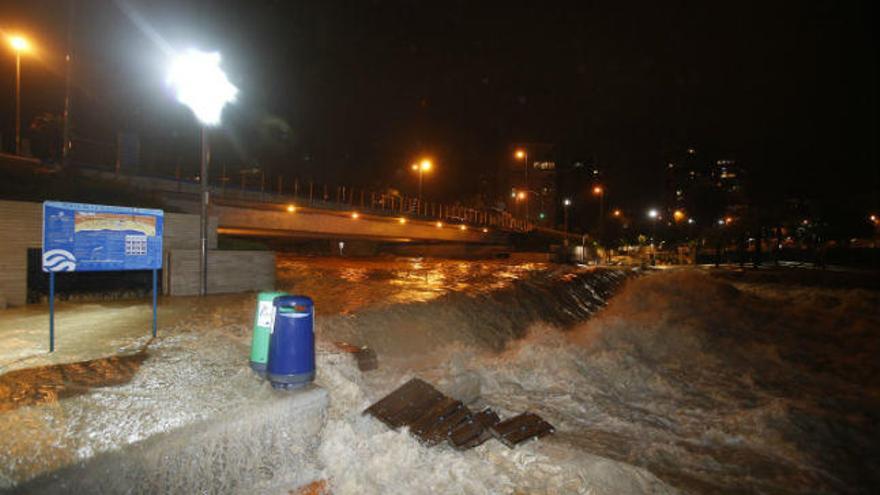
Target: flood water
x=688, y=381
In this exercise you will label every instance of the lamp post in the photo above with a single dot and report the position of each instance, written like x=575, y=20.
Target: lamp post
x=654, y=215
x=523, y=155
x=599, y=191
x=19, y=44
x=565, y=204
x=201, y=85
x=422, y=167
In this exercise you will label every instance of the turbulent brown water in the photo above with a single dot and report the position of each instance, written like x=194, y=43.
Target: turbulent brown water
x=686, y=381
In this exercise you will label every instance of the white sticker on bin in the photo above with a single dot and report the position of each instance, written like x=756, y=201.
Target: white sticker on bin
x=265, y=314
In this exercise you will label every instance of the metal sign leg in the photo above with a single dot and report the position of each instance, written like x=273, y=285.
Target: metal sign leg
x=51, y=311
x=155, y=285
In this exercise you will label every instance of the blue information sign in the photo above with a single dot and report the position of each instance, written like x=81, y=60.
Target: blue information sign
x=83, y=238
x=79, y=237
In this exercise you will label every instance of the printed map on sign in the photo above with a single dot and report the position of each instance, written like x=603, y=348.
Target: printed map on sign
x=84, y=237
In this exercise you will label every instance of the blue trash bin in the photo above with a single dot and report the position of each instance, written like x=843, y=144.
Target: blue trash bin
x=291, y=362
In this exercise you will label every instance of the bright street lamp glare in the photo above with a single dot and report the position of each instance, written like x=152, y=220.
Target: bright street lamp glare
x=201, y=84
x=18, y=43
x=567, y=202
x=426, y=165
x=652, y=213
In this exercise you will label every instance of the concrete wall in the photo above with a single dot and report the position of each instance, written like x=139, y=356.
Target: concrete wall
x=228, y=271
x=21, y=225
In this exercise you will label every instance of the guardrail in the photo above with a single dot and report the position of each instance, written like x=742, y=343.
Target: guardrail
x=326, y=196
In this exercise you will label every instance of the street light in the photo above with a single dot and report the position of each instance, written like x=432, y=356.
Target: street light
x=19, y=44
x=678, y=215
x=565, y=204
x=522, y=154
x=424, y=166
x=201, y=85
x=598, y=190
x=654, y=215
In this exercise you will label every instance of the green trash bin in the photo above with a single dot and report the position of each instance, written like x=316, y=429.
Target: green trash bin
x=264, y=318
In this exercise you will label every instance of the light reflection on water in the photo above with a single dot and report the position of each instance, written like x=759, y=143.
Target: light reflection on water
x=338, y=287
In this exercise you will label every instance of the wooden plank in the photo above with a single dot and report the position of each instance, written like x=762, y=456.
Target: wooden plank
x=435, y=424
x=474, y=431
x=518, y=429
x=406, y=404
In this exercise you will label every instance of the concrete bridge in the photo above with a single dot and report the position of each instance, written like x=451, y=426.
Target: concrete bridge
x=289, y=220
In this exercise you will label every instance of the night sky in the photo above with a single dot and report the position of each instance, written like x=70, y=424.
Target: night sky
x=352, y=92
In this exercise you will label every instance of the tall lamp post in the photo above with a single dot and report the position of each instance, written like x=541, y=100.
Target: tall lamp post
x=653, y=215
x=565, y=204
x=19, y=44
x=201, y=85
x=599, y=191
x=422, y=167
x=522, y=154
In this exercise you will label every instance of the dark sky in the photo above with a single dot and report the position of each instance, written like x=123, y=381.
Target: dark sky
x=353, y=91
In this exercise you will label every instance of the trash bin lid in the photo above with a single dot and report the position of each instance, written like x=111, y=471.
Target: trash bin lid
x=299, y=304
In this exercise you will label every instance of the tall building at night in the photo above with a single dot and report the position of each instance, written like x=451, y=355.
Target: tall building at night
x=730, y=180
x=685, y=172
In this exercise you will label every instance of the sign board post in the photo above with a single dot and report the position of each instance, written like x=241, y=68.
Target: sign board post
x=81, y=237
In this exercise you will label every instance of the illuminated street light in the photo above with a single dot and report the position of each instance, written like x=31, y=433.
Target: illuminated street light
x=291, y=208
x=616, y=213
x=439, y=225
x=678, y=215
x=355, y=215
x=485, y=230
x=522, y=154
x=521, y=195
x=201, y=85
x=401, y=220
x=19, y=44
x=566, y=202
x=421, y=167
x=462, y=227
x=653, y=213
x=599, y=190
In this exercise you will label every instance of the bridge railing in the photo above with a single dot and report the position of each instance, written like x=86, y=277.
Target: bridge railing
x=326, y=196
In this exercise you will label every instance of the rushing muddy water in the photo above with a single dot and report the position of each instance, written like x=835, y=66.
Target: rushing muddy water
x=684, y=382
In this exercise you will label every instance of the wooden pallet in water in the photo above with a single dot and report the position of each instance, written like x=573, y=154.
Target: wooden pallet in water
x=518, y=429
x=474, y=431
x=433, y=417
